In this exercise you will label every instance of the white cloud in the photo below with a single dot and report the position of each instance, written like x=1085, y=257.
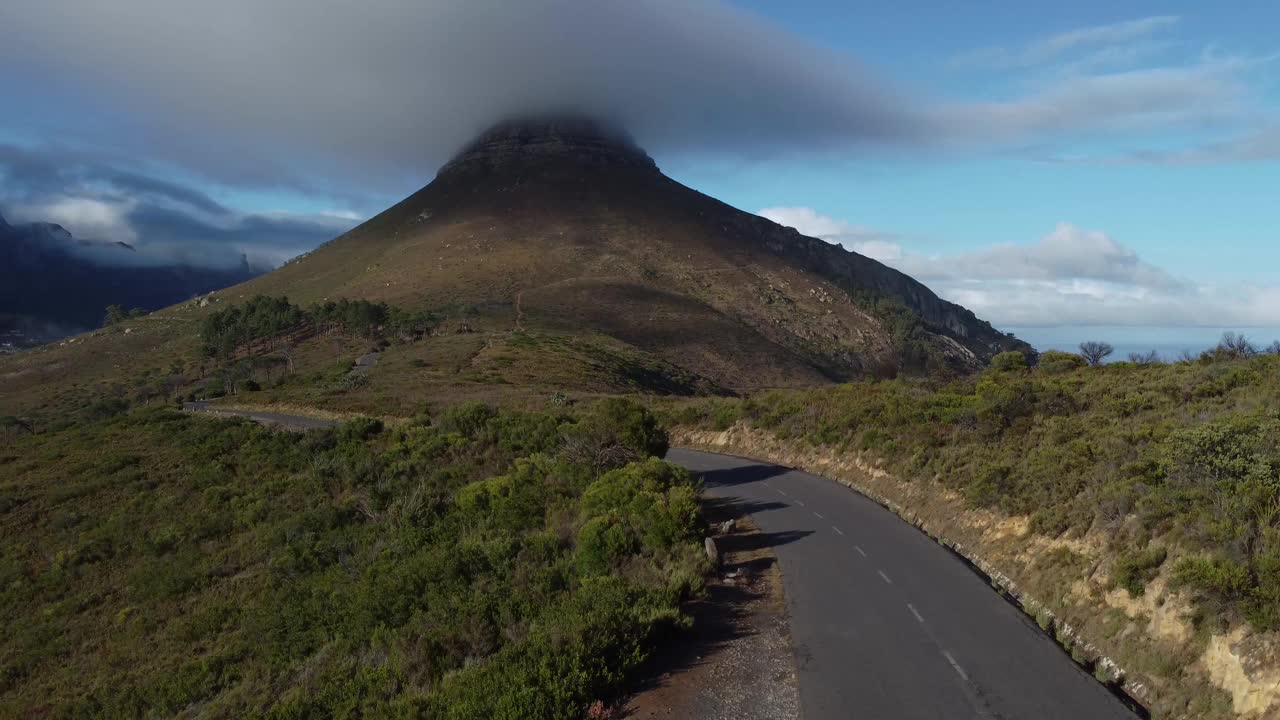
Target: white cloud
x=859, y=239
x=1069, y=253
x=1071, y=276
x=1261, y=144
x=1051, y=47
x=103, y=219
x=1103, y=82
x=1195, y=96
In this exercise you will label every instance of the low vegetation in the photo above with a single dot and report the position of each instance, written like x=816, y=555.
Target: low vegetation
x=1180, y=459
x=477, y=563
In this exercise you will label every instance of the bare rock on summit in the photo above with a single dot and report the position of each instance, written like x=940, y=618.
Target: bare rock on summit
x=524, y=143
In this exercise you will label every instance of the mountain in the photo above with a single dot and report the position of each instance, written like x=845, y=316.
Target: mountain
x=52, y=283
x=565, y=223
x=548, y=258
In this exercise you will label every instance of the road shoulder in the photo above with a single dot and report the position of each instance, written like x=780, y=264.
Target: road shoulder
x=737, y=663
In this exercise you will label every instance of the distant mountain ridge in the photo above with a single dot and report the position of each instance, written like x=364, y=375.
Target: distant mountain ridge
x=52, y=279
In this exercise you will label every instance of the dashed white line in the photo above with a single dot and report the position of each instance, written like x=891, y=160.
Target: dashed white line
x=956, y=665
x=884, y=577
x=800, y=503
x=914, y=611
x=861, y=552
x=838, y=530
x=818, y=515
x=783, y=492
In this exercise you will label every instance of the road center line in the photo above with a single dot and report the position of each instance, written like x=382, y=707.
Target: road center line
x=838, y=530
x=861, y=552
x=956, y=665
x=818, y=515
x=912, y=608
x=783, y=492
x=885, y=577
x=800, y=503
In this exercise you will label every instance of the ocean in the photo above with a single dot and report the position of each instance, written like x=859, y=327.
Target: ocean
x=1169, y=343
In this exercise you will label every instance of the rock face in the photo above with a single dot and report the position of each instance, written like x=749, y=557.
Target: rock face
x=526, y=143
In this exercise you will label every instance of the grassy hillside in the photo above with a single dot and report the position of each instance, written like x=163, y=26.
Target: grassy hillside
x=1175, y=464
x=437, y=356
x=476, y=564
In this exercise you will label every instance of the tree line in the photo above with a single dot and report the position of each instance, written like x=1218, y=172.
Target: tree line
x=276, y=322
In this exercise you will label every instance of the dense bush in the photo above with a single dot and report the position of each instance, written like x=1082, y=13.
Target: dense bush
x=1134, y=570
x=1055, y=362
x=168, y=564
x=1009, y=361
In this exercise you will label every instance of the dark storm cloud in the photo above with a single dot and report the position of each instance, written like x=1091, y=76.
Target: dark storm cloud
x=34, y=173
x=255, y=92
x=268, y=240
x=364, y=100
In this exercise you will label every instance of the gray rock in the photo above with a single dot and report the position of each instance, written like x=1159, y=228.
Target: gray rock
x=713, y=553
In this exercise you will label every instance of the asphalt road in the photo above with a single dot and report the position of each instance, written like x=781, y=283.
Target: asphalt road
x=886, y=623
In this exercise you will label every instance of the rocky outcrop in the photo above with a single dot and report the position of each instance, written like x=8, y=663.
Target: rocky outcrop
x=860, y=274
x=528, y=142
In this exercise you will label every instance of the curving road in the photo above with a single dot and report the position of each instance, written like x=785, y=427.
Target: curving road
x=886, y=623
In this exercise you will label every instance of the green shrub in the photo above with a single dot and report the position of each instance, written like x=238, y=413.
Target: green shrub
x=1223, y=579
x=467, y=419
x=611, y=434
x=1134, y=570
x=1009, y=361
x=106, y=408
x=1056, y=362
x=602, y=543
x=725, y=414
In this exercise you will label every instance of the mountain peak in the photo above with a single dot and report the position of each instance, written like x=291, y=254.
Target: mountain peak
x=539, y=140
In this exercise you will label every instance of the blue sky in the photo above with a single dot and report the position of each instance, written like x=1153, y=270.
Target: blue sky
x=1074, y=165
